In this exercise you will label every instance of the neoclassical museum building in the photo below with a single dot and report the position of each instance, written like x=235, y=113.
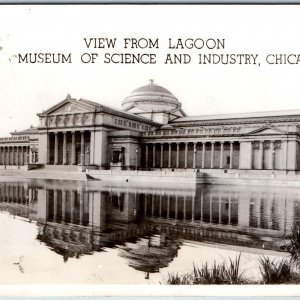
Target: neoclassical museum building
x=151, y=131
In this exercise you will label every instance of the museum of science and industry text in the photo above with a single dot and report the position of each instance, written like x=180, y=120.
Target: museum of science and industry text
x=152, y=132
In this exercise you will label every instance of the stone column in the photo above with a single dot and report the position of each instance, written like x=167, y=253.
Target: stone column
x=17, y=158
x=93, y=147
x=56, y=148
x=153, y=155
x=22, y=157
x=5, y=155
x=284, y=154
x=73, y=150
x=229, y=209
x=28, y=155
x=261, y=154
x=48, y=149
x=161, y=155
x=64, y=148
x=231, y=155
x=185, y=155
x=222, y=155
x=8, y=154
x=203, y=155
x=82, y=148
x=194, y=155
x=147, y=156
x=177, y=155
x=272, y=155
x=13, y=155
x=1, y=155
x=169, y=159
x=212, y=155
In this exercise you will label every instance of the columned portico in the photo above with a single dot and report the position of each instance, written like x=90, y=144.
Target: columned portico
x=69, y=147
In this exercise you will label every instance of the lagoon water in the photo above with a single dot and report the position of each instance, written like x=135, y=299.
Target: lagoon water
x=83, y=232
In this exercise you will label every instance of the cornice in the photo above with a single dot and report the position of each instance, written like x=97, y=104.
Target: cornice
x=279, y=119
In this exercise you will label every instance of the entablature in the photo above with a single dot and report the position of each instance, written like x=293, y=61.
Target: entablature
x=265, y=120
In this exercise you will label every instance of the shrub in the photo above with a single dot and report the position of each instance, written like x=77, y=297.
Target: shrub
x=294, y=246
x=276, y=271
x=217, y=274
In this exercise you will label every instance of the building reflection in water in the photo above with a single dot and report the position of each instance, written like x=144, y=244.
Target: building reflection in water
x=149, y=226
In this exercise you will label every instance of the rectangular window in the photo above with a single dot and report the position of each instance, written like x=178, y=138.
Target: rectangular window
x=228, y=160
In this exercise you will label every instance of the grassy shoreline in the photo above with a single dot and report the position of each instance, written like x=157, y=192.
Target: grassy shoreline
x=275, y=271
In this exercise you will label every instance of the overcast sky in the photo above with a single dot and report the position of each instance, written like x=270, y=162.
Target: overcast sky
x=27, y=89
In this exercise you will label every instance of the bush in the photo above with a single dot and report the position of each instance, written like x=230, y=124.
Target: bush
x=276, y=271
x=294, y=246
x=218, y=274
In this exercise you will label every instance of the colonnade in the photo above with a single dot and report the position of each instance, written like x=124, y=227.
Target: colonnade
x=246, y=154
x=206, y=148
x=68, y=147
x=14, y=155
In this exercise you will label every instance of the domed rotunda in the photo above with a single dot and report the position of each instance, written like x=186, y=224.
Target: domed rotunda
x=153, y=102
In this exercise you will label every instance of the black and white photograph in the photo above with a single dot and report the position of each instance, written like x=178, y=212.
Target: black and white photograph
x=149, y=150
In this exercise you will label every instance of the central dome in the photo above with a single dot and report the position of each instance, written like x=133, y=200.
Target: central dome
x=152, y=88
x=152, y=94
x=154, y=102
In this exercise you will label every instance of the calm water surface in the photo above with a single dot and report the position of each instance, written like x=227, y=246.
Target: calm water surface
x=70, y=232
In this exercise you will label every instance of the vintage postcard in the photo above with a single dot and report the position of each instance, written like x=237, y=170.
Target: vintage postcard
x=149, y=150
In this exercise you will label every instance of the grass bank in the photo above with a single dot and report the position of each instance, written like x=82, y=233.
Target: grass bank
x=272, y=271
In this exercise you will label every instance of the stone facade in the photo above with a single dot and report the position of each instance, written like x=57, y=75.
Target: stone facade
x=153, y=132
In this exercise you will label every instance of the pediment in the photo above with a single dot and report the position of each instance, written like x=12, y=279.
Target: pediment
x=266, y=130
x=68, y=106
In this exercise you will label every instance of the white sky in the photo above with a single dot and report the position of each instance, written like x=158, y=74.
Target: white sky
x=26, y=89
